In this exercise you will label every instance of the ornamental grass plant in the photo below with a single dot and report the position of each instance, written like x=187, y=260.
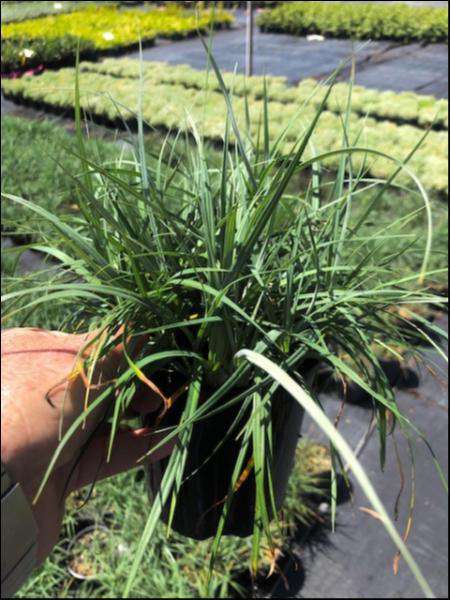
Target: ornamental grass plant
x=243, y=281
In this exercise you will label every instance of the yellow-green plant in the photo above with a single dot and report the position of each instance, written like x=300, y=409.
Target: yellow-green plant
x=404, y=107
x=368, y=20
x=107, y=28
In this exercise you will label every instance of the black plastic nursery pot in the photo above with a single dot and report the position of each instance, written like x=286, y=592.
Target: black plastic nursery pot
x=208, y=471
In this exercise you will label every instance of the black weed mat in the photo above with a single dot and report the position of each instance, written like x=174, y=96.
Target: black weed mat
x=356, y=561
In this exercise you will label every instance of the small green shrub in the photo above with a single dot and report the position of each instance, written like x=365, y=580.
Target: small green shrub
x=359, y=20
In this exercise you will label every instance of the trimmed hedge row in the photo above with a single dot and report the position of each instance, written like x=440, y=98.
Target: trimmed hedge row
x=405, y=107
x=169, y=106
x=107, y=29
x=359, y=20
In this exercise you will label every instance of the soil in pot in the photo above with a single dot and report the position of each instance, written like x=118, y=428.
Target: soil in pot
x=206, y=482
x=84, y=552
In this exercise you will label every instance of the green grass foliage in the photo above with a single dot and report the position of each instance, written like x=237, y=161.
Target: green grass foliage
x=38, y=164
x=176, y=567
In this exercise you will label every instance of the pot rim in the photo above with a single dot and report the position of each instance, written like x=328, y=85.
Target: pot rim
x=76, y=538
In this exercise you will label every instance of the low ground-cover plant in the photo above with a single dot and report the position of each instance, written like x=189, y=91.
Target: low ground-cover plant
x=405, y=107
x=168, y=107
x=210, y=262
x=358, y=20
x=108, y=29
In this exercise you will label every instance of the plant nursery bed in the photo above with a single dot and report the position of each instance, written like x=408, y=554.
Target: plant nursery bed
x=359, y=20
x=401, y=108
x=165, y=110
x=53, y=40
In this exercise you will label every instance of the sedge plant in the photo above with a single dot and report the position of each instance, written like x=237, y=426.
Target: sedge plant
x=239, y=272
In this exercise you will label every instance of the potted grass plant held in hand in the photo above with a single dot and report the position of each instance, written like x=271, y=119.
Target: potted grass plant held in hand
x=262, y=251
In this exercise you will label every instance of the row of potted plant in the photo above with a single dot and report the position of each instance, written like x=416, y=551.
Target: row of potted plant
x=29, y=149
x=101, y=30
x=23, y=54
x=360, y=20
x=404, y=107
x=170, y=106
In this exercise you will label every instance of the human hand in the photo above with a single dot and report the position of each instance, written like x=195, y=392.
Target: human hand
x=36, y=390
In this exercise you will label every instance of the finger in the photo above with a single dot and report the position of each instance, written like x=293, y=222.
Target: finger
x=128, y=449
x=136, y=342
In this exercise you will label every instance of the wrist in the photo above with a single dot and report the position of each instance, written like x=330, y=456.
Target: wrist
x=19, y=535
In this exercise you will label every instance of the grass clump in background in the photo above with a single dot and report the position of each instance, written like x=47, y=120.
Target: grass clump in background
x=359, y=20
